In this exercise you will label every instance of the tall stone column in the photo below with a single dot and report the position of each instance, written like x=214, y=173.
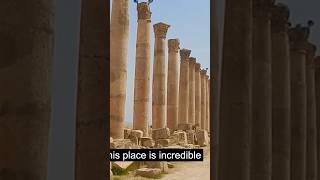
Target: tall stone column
x=203, y=99
x=142, y=70
x=159, y=77
x=192, y=107
x=281, y=131
x=234, y=123
x=311, y=115
x=298, y=40
x=91, y=122
x=261, y=131
x=197, y=94
x=26, y=42
x=173, y=84
x=317, y=89
x=207, y=122
x=119, y=34
x=184, y=86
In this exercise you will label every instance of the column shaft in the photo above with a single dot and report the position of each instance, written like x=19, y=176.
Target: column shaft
x=281, y=131
x=235, y=101
x=159, y=77
x=142, y=70
x=317, y=89
x=203, y=99
x=119, y=32
x=197, y=95
x=298, y=103
x=208, y=103
x=184, y=86
x=261, y=129
x=192, y=107
x=311, y=115
x=173, y=84
x=26, y=42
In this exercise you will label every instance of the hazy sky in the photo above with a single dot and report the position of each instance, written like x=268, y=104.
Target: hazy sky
x=189, y=21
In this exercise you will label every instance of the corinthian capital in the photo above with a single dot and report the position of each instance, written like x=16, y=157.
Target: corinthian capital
x=192, y=61
x=299, y=37
x=174, y=45
x=197, y=67
x=280, y=18
x=160, y=30
x=184, y=54
x=144, y=11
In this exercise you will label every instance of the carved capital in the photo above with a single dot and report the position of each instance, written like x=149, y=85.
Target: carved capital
x=174, y=45
x=203, y=72
x=197, y=67
x=184, y=54
x=160, y=30
x=192, y=61
x=144, y=11
x=299, y=38
x=311, y=49
x=262, y=9
x=280, y=18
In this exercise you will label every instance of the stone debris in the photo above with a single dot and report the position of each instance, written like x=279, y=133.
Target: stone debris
x=162, y=133
x=148, y=172
x=162, y=165
x=127, y=133
x=136, y=133
x=185, y=127
x=121, y=144
x=191, y=137
x=170, y=165
x=162, y=142
x=147, y=142
x=203, y=138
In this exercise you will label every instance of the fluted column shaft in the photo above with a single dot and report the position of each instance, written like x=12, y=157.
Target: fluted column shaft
x=197, y=95
x=26, y=42
x=311, y=115
x=159, y=77
x=203, y=99
x=184, y=86
x=298, y=104
x=142, y=70
x=207, y=121
x=281, y=131
x=119, y=34
x=235, y=100
x=173, y=84
x=192, y=107
x=317, y=89
x=261, y=130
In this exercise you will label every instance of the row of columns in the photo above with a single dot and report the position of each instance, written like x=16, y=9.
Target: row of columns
x=268, y=126
x=175, y=99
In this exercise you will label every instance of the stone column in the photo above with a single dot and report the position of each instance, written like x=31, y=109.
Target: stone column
x=192, y=107
x=203, y=99
x=173, y=84
x=235, y=100
x=159, y=77
x=119, y=32
x=197, y=95
x=311, y=115
x=184, y=86
x=142, y=70
x=317, y=89
x=26, y=42
x=261, y=131
x=93, y=78
x=281, y=131
x=207, y=122
x=298, y=40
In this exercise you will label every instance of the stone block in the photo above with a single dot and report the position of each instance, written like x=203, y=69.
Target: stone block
x=202, y=138
x=147, y=142
x=148, y=172
x=121, y=144
x=185, y=127
x=191, y=136
x=162, y=142
x=182, y=137
x=162, y=133
x=162, y=165
x=127, y=133
x=136, y=133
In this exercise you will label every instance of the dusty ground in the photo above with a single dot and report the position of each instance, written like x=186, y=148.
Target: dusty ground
x=182, y=170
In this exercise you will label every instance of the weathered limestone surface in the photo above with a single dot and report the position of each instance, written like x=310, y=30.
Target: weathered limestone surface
x=192, y=107
x=317, y=87
x=207, y=121
x=261, y=131
x=173, y=84
x=159, y=89
x=142, y=70
x=162, y=133
x=197, y=95
x=184, y=86
x=298, y=40
x=119, y=34
x=280, y=94
x=203, y=99
x=93, y=76
x=311, y=115
x=234, y=121
x=26, y=55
